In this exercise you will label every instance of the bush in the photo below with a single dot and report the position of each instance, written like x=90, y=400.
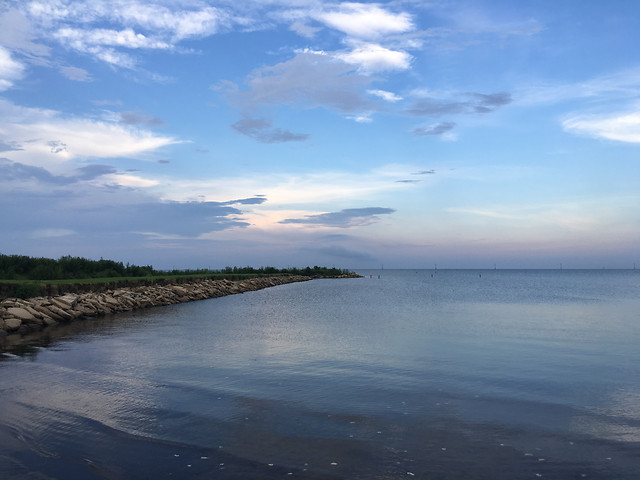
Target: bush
x=27, y=290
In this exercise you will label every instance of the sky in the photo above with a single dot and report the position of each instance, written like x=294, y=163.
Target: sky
x=403, y=134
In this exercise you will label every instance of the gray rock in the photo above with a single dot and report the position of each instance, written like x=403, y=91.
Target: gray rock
x=12, y=324
x=21, y=313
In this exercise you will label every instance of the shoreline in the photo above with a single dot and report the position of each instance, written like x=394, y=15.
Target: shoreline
x=23, y=316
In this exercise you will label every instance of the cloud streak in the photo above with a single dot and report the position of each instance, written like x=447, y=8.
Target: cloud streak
x=18, y=173
x=137, y=119
x=10, y=70
x=47, y=137
x=439, y=129
x=624, y=127
x=260, y=129
x=351, y=217
x=474, y=103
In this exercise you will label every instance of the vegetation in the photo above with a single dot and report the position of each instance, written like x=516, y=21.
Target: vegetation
x=20, y=267
x=23, y=268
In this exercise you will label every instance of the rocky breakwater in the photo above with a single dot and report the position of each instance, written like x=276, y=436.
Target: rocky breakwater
x=24, y=316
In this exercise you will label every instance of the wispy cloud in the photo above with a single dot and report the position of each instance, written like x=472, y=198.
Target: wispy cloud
x=432, y=130
x=261, y=129
x=47, y=137
x=108, y=30
x=623, y=127
x=469, y=103
x=388, y=96
x=76, y=74
x=304, y=29
x=351, y=217
x=136, y=118
x=620, y=85
x=342, y=253
x=84, y=40
x=609, y=109
x=51, y=233
x=284, y=190
x=11, y=70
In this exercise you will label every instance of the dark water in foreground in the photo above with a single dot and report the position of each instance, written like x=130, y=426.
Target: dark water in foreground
x=463, y=375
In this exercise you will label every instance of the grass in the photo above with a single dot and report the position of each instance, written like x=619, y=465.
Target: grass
x=32, y=288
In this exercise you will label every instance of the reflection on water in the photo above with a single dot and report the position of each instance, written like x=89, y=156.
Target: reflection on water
x=459, y=375
x=30, y=344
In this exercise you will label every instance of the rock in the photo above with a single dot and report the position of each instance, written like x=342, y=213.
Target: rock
x=48, y=321
x=46, y=312
x=75, y=314
x=59, y=312
x=85, y=309
x=69, y=298
x=21, y=313
x=179, y=290
x=23, y=316
x=60, y=303
x=110, y=301
x=12, y=323
x=32, y=311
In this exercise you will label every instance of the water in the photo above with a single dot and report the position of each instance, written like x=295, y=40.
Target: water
x=446, y=375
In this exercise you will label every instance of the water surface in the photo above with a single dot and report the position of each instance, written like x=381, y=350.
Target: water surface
x=400, y=374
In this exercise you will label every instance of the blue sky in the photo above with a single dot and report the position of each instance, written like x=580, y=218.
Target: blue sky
x=296, y=132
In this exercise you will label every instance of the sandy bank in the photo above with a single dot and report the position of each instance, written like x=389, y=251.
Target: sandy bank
x=24, y=316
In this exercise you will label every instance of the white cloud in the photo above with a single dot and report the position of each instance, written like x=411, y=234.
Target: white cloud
x=361, y=118
x=101, y=28
x=103, y=43
x=51, y=10
x=621, y=127
x=175, y=22
x=622, y=84
x=82, y=39
x=46, y=138
x=10, y=70
x=178, y=24
x=282, y=190
x=76, y=74
x=365, y=21
x=127, y=180
x=596, y=215
x=388, y=96
x=303, y=29
x=371, y=58
x=51, y=233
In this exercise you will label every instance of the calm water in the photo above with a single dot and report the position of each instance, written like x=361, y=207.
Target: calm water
x=452, y=375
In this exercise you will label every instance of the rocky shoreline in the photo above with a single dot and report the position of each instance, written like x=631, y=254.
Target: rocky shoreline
x=18, y=316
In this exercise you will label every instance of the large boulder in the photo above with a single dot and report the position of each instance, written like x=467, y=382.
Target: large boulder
x=63, y=304
x=46, y=312
x=22, y=314
x=12, y=323
x=69, y=298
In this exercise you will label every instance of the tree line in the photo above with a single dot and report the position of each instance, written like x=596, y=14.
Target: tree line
x=21, y=267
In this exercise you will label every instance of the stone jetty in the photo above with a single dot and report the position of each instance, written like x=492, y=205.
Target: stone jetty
x=28, y=315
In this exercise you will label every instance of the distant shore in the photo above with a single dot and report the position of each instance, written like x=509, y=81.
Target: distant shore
x=23, y=316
